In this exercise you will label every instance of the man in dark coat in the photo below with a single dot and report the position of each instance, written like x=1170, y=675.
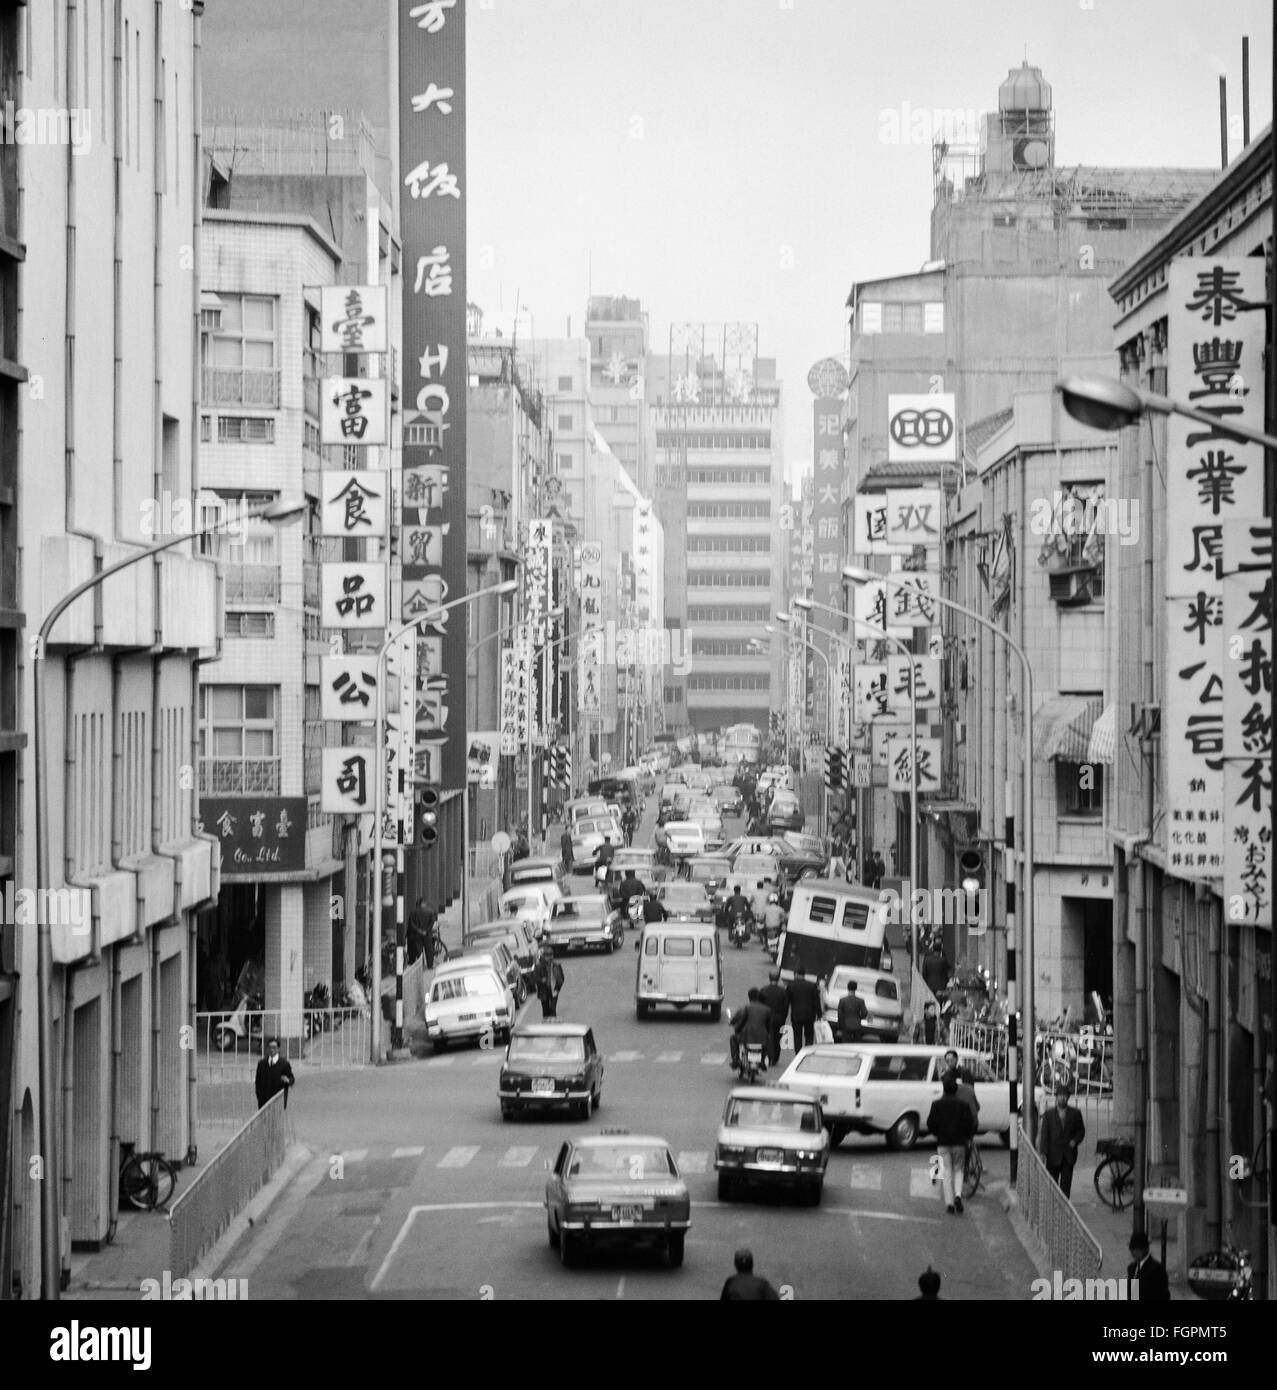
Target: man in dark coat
x=745, y=1286
x=804, y=1008
x=631, y=887
x=1059, y=1139
x=952, y=1124
x=654, y=909
x=752, y=1024
x=1153, y=1284
x=274, y=1074
x=421, y=934
x=852, y=1014
x=928, y=1286
x=935, y=971
x=565, y=849
x=548, y=978
x=776, y=997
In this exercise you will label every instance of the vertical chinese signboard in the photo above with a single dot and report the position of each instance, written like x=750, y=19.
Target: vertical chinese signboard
x=591, y=682
x=1216, y=332
x=1248, y=722
x=827, y=381
x=432, y=221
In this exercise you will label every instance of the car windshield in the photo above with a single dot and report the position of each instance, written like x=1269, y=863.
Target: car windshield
x=608, y=1162
x=710, y=868
x=772, y=1114
x=547, y=1049
x=576, y=908
x=682, y=894
x=830, y=1063
x=462, y=987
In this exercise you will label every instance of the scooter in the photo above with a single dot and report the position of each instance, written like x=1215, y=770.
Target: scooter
x=244, y=1025
x=751, y=1062
x=739, y=931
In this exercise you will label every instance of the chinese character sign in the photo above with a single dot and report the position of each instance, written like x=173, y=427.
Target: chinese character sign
x=509, y=701
x=432, y=211
x=354, y=410
x=348, y=689
x=1248, y=722
x=347, y=776
x=353, y=318
x=869, y=697
x=257, y=834
x=914, y=516
x=538, y=556
x=826, y=515
x=354, y=504
x=912, y=599
x=926, y=682
x=900, y=760
x=353, y=595
x=591, y=682
x=1215, y=337
x=922, y=428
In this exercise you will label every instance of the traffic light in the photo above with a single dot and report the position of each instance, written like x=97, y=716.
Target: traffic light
x=427, y=816
x=835, y=769
x=971, y=870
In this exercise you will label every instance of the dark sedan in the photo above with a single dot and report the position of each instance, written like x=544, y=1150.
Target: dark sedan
x=551, y=1064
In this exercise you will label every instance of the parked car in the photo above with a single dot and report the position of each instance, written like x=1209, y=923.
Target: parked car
x=518, y=930
x=584, y=922
x=473, y=1003
x=617, y=1188
x=551, y=1064
x=773, y=1138
x=499, y=952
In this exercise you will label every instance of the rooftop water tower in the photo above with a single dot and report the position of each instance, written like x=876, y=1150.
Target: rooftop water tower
x=1020, y=136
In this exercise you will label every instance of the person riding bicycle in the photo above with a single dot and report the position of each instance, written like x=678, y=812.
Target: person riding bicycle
x=629, y=823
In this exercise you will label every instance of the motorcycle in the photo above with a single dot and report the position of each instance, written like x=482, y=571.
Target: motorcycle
x=751, y=1062
x=739, y=931
x=244, y=1023
x=634, y=911
x=317, y=1018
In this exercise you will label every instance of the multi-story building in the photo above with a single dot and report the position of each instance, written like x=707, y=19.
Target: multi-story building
x=99, y=459
x=616, y=329
x=716, y=439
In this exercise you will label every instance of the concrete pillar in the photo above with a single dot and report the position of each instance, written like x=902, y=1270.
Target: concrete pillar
x=285, y=952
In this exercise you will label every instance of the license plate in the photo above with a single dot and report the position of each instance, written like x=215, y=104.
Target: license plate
x=577, y=943
x=771, y=1155
x=466, y=1018
x=543, y=1085
x=627, y=1216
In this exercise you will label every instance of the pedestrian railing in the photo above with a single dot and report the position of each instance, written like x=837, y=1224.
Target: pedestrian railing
x=414, y=989
x=1082, y=1061
x=1068, y=1245
x=228, y=1046
x=202, y=1213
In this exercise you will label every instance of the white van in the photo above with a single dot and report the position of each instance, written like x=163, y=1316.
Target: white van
x=888, y=1088
x=679, y=964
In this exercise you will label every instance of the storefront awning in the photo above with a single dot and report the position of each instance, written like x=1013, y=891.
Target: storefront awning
x=1062, y=728
x=1104, y=737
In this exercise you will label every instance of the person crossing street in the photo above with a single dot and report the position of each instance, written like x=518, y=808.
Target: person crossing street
x=548, y=978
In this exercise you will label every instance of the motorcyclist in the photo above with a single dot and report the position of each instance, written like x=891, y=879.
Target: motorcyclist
x=751, y=1025
x=773, y=918
x=653, y=908
x=631, y=886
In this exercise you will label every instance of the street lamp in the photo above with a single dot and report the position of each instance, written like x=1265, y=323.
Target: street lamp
x=281, y=511
x=858, y=574
x=786, y=618
x=379, y=793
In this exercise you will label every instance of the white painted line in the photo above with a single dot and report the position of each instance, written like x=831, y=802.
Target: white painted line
x=438, y=1061
x=354, y=1155
x=409, y=1151
x=920, y=1184
x=670, y=1057
x=731, y=1209
x=696, y=1161
x=358, y=1255
x=625, y=1057
x=487, y=1054
x=400, y=1236
x=866, y=1179
x=620, y=1287
x=458, y=1157
x=519, y=1156
x=714, y=1059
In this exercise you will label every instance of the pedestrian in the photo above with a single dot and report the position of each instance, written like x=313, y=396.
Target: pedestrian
x=745, y=1286
x=852, y=1014
x=548, y=978
x=966, y=1090
x=421, y=934
x=565, y=849
x=870, y=875
x=1060, y=1137
x=935, y=969
x=880, y=866
x=804, y=1008
x=930, y=1024
x=951, y=1122
x=928, y=1286
x=776, y=997
x=1150, y=1274
x=274, y=1074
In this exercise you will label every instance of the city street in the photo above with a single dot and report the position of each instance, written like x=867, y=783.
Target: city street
x=418, y=1188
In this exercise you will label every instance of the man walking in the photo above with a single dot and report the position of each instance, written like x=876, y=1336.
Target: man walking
x=951, y=1122
x=1148, y=1272
x=776, y=997
x=565, y=849
x=421, y=934
x=745, y=1286
x=852, y=1014
x=804, y=1008
x=274, y=1074
x=548, y=978
x=1060, y=1137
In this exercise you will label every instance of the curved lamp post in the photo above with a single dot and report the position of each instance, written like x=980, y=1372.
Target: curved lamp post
x=787, y=619
x=280, y=511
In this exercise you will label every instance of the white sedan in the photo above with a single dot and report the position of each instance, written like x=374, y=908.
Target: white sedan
x=534, y=902
x=589, y=835
x=467, y=1004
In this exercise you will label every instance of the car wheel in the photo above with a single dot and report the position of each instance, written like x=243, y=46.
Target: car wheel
x=595, y=1100
x=440, y=1044
x=567, y=1247
x=904, y=1133
x=551, y=1232
x=715, y=1012
x=814, y=1193
x=583, y=1109
x=726, y=1188
x=674, y=1249
x=640, y=1011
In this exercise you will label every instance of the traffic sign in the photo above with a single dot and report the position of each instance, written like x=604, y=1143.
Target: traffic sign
x=1165, y=1197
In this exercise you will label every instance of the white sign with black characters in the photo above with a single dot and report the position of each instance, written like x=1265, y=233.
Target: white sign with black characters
x=900, y=760
x=348, y=689
x=353, y=504
x=913, y=516
x=922, y=428
x=353, y=318
x=353, y=594
x=926, y=683
x=354, y=410
x=347, y=780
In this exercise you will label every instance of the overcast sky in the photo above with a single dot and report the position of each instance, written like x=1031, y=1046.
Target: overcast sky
x=726, y=160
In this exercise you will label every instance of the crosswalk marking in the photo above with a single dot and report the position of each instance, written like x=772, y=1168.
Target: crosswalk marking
x=670, y=1057
x=409, y=1151
x=625, y=1057
x=696, y=1161
x=867, y=1179
x=519, y=1156
x=354, y=1155
x=487, y=1054
x=920, y=1184
x=458, y=1157
x=714, y=1059
x=442, y=1061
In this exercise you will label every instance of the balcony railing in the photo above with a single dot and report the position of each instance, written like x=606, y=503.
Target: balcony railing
x=245, y=386
x=239, y=776
x=252, y=583
x=310, y=396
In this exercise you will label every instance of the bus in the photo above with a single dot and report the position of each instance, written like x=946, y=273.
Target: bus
x=834, y=923
x=742, y=743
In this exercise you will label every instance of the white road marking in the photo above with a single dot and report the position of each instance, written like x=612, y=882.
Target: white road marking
x=402, y=1234
x=730, y=1209
x=920, y=1184
x=625, y=1057
x=620, y=1287
x=458, y=1157
x=441, y=1061
x=354, y=1155
x=519, y=1156
x=670, y=1057
x=866, y=1179
x=358, y=1254
x=696, y=1161
x=409, y=1151
x=714, y=1059
x=487, y=1054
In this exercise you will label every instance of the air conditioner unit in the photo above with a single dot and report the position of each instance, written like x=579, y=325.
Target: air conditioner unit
x=1071, y=586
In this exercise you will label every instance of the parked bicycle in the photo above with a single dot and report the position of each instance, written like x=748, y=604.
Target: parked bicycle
x=972, y=1170
x=147, y=1180
x=1115, y=1175
x=1223, y=1275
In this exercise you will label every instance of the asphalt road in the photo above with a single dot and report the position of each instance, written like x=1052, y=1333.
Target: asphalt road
x=418, y=1188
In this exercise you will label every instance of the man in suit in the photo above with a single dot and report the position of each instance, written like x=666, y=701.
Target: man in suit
x=1153, y=1285
x=928, y=1286
x=804, y=1007
x=852, y=1014
x=274, y=1074
x=1059, y=1139
x=776, y=997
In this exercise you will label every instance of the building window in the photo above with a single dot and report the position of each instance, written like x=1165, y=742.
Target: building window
x=933, y=317
x=245, y=429
x=703, y=681
x=892, y=318
x=563, y=462
x=566, y=425
x=1079, y=789
x=911, y=318
x=565, y=383
x=250, y=624
x=871, y=318
x=725, y=646
x=729, y=579
x=728, y=613
x=238, y=740
x=239, y=353
x=738, y=544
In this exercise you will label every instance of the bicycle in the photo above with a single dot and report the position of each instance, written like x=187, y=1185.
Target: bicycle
x=147, y=1180
x=1115, y=1176
x=1223, y=1275
x=972, y=1170
x=441, y=951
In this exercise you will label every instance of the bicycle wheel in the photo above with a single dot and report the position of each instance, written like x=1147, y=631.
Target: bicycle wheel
x=1114, y=1183
x=442, y=953
x=972, y=1173
x=136, y=1187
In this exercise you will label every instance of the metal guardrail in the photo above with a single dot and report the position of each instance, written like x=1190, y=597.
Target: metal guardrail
x=1069, y=1246
x=1083, y=1061
x=228, y=1045
x=221, y=1191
